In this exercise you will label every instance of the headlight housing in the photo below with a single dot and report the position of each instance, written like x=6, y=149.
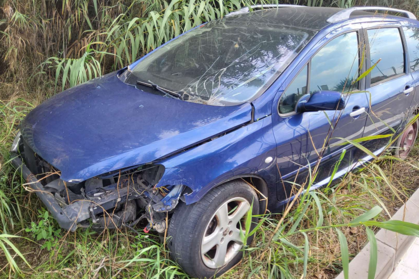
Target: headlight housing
x=148, y=173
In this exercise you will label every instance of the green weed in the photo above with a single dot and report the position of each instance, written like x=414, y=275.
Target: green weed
x=44, y=230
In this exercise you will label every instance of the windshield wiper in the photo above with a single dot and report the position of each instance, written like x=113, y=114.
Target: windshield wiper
x=165, y=91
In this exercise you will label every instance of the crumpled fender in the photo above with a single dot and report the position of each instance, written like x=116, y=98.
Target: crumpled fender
x=240, y=152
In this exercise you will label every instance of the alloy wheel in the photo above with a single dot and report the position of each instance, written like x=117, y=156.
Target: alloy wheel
x=222, y=239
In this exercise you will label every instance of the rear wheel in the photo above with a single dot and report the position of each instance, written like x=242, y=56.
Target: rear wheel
x=205, y=237
x=406, y=141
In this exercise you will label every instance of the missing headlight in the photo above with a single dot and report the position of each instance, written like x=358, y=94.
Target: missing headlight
x=148, y=175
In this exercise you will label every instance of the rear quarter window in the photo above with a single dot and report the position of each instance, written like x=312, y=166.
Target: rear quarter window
x=412, y=40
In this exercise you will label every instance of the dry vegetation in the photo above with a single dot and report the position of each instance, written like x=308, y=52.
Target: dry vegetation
x=50, y=45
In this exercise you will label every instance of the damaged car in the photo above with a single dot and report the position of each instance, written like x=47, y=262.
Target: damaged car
x=229, y=117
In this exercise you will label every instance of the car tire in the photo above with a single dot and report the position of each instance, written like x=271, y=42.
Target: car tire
x=406, y=141
x=190, y=223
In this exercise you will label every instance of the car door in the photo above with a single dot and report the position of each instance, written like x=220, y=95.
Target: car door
x=411, y=35
x=333, y=66
x=389, y=83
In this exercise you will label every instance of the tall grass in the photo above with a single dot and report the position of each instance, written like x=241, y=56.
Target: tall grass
x=72, y=72
x=125, y=39
x=5, y=245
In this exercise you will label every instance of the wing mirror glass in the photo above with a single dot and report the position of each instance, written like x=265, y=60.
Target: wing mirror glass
x=323, y=100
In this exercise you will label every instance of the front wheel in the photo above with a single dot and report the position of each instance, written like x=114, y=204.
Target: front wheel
x=205, y=238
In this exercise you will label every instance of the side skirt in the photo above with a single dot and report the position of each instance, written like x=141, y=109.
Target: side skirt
x=338, y=174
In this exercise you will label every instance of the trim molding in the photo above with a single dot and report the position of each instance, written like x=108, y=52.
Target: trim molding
x=337, y=175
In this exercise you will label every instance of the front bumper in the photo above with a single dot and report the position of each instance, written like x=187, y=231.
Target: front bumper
x=67, y=217
x=107, y=202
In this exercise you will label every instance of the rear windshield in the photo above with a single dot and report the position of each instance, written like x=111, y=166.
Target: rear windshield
x=224, y=62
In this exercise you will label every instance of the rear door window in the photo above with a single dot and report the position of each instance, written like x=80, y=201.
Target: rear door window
x=387, y=48
x=412, y=39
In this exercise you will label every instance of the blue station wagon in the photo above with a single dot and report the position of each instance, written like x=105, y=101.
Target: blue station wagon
x=229, y=117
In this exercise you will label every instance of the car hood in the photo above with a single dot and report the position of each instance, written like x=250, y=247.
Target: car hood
x=106, y=125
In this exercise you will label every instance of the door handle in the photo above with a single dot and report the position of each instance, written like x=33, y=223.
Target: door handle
x=408, y=90
x=357, y=112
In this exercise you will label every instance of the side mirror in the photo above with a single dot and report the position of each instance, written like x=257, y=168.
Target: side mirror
x=323, y=100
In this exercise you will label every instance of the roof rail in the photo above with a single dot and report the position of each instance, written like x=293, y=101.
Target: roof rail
x=345, y=14
x=259, y=7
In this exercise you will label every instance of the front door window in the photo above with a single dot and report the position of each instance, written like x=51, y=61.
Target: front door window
x=335, y=66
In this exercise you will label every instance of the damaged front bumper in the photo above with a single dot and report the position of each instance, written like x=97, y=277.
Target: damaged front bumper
x=67, y=217
x=101, y=202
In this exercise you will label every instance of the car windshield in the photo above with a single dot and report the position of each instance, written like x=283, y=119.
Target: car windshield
x=224, y=62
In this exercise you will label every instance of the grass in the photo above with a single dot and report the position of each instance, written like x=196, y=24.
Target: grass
x=45, y=49
x=5, y=246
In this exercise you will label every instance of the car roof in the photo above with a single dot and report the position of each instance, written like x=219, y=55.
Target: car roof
x=312, y=18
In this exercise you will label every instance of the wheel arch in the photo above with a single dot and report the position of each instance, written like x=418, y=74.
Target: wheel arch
x=256, y=182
